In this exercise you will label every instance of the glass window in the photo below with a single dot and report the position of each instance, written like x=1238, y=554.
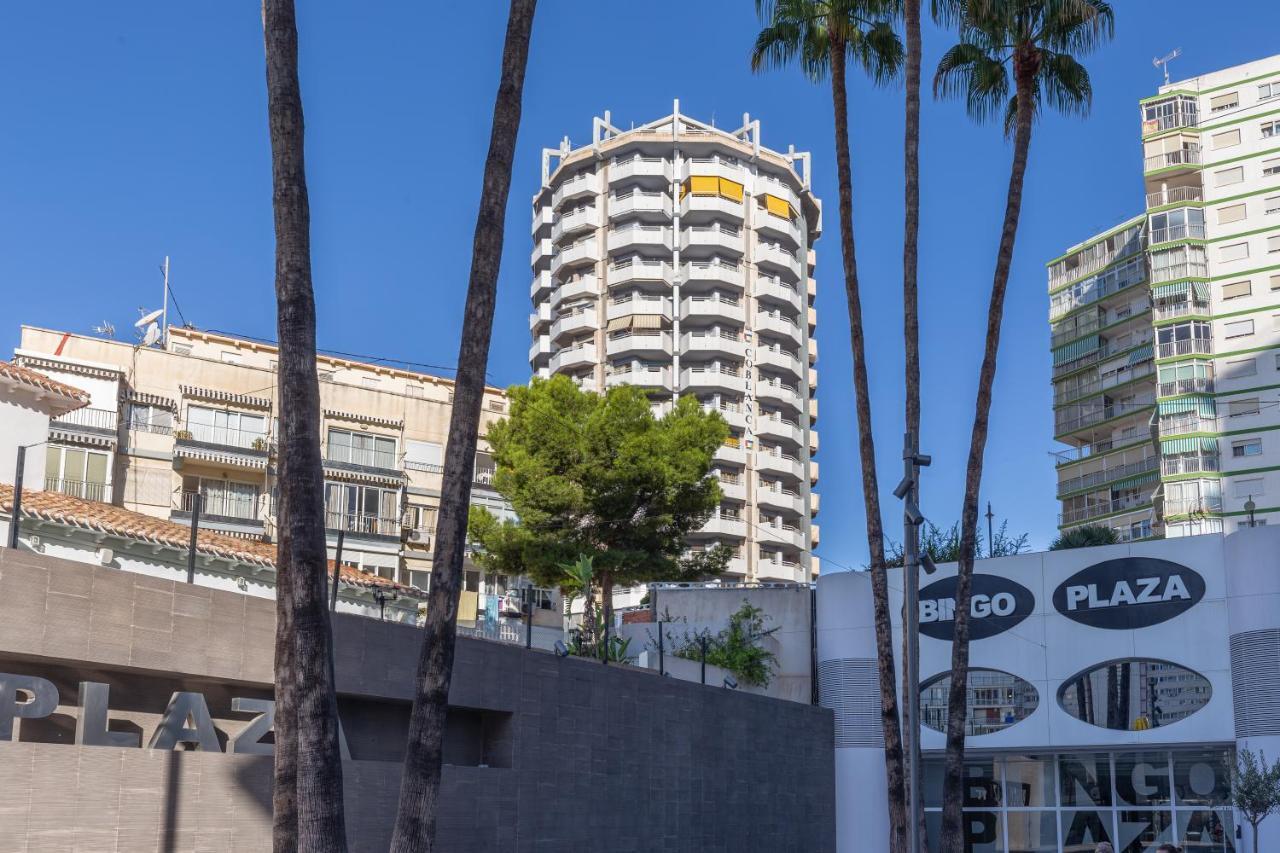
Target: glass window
x=1236, y=289
x=1271, y=204
x=1234, y=252
x=1206, y=831
x=1247, y=406
x=1226, y=139
x=996, y=699
x=1271, y=167
x=1237, y=329
x=1218, y=103
x=1028, y=781
x=1270, y=129
x=1032, y=832
x=1142, y=778
x=982, y=782
x=1084, y=830
x=1203, y=778
x=1268, y=90
x=1137, y=693
x=1249, y=447
x=1249, y=488
x=1145, y=830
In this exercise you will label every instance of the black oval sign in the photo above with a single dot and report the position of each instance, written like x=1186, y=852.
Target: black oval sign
x=1128, y=593
x=996, y=605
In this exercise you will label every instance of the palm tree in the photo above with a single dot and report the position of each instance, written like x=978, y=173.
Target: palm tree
x=307, y=797
x=1088, y=536
x=820, y=36
x=1031, y=41
x=420, y=785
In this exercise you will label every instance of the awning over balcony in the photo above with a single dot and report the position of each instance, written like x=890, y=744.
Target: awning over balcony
x=1136, y=480
x=1203, y=406
x=219, y=396
x=202, y=453
x=1076, y=349
x=1182, y=289
x=151, y=400
x=1189, y=445
x=636, y=321
x=1146, y=352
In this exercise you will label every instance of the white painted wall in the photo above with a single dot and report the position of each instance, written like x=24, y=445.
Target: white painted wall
x=22, y=421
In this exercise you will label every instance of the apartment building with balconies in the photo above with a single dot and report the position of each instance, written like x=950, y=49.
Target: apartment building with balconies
x=193, y=422
x=677, y=257
x=1208, y=279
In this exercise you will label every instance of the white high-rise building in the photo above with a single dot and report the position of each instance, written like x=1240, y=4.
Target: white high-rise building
x=1179, y=382
x=678, y=257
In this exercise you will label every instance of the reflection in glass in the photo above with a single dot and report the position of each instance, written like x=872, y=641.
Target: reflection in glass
x=1142, y=778
x=1085, y=779
x=1135, y=694
x=982, y=831
x=1206, y=830
x=1082, y=830
x=1142, y=832
x=997, y=700
x=1203, y=777
x=1028, y=781
x=982, y=782
x=1033, y=832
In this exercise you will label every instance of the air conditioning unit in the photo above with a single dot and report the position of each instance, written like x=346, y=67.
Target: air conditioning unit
x=35, y=544
x=420, y=536
x=106, y=556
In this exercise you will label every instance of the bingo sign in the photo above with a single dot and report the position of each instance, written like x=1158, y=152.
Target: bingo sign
x=996, y=605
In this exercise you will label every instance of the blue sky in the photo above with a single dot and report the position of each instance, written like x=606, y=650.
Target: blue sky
x=131, y=131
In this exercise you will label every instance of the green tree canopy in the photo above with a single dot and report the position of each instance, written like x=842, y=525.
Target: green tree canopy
x=1087, y=536
x=601, y=477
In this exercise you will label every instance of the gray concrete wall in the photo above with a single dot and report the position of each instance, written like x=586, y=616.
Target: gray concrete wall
x=578, y=755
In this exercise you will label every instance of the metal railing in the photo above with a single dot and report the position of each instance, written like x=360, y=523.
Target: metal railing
x=1102, y=383
x=362, y=522
x=1190, y=231
x=1112, y=281
x=1103, y=508
x=1187, y=269
x=1098, y=415
x=1107, y=475
x=1191, y=385
x=77, y=488
x=364, y=456
x=99, y=419
x=1192, y=506
x=426, y=467
x=1189, y=422
x=1171, y=465
x=1182, y=157
x=206, y=434
x=1185, y=308
x=1079, y=330
x=1188, y=347
x=1174, y=196
x=484, y=475
x=222, y=505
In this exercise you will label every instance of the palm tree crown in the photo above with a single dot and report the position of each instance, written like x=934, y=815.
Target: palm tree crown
x=1032, y=38
x=802, y=32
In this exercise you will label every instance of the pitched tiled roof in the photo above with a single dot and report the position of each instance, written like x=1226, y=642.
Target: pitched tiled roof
x=118, y=521
x=34, y=379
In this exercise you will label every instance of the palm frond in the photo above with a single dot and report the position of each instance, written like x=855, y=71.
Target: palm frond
x=1064, y=84
x=967, y=71
x=1077, y=26
x=879, y=51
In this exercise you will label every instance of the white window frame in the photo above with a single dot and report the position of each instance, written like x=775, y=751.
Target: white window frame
x=1270, y=129
x=1227, y=253
x=1240, y=449
x=1233, y=329
x=1249, y=488
x=1243, y=407
x=1234, y=289
x=1245, y=367
x=1227, y=177
x=1227, y=214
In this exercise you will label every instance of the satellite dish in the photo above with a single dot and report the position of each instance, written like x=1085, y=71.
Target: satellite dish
x=148, y=318
x=152, y=335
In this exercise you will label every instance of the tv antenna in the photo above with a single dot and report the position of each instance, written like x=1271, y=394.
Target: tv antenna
x=1163, y=62
x=106, y=329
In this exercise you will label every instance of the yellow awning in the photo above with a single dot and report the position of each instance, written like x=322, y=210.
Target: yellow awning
x=778, y=206
x=703, y=184
x=730, y=189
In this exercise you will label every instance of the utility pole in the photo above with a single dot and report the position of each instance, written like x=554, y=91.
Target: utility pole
x=912, y=518
x=15, y=521
x=337, y=570
x=164, y=317
x=991, y=536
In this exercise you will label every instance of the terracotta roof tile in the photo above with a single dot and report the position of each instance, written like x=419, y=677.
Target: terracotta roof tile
x=118, y=521
x=34, y=379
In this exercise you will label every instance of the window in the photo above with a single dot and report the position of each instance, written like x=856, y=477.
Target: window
x=361, y=509
x=1246, y=406
x=1270, y=129
x=224, y=498
x=996, y=701
x=1249, y=488
x=77, y=472
x=1273, y=243
x=1226, y=139
x=146, y=418
x=369, y=381
x=1238, y=328
x=1182, y=692
x=1231, y=213
x=1248, y=447
x=1271, y=167
x=423, y=456
x=1225, y=177
x=358, y=448
x=221, y=426
x=1229, y=101
x=1241, y=367
x=1236, y=289
x=421, y=518
x=1268, y=90
x=1234, y=252
x=230, y=357
x=1271, y=205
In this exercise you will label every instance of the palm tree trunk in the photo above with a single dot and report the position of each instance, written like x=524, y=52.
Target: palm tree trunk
x=910, y=299
x=420, y=786
x=867, y=455
x=957, y=706
x=308, y=771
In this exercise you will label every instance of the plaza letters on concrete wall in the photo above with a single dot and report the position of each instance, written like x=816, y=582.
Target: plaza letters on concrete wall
x=997, y=605
x=1128, y=593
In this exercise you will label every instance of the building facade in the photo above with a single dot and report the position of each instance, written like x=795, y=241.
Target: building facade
x=1168, y=328
x=1109, y=691
x=678, y=257
x=195, y=420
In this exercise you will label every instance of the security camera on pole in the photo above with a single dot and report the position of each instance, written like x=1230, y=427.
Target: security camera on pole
x=912, y=518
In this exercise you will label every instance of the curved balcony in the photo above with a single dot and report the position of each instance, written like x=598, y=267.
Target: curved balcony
x=719, y=167
x=540, y=319
x=766, y=183
x=580, y=253
x=771, y=391
x=731, y=453
x=780, y=428
x=1185, y=159
x=719, y=342
x=582, y=219
x=579, y=186
x=1191, y=346
x=779, y=498
x=572, y=358
x=583, y=285
x=700, y=206
x=540, y=351
x=649, y=378
x=643, y=343
x=638, y=269
x=541, y=285
x=1191, y=385
x=777, y=290
x=713, y=307
x=732, y=413
x=622, y=169
x=780, y=534
x=543, y=218
x=543, y=252
x=640, y=202
x=635, y=237
x=775, y=257
x=776, y=358
x=719, y=525
x=708, y=238
x=773, y=461
x=778, y=324
x=575, y=323
x=705, y=378
x=636, y=303
x=732, y=486
x=714, y=272
x=778, y=227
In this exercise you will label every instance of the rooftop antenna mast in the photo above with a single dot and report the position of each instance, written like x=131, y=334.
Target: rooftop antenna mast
x=164, y=321
x=1163, y=62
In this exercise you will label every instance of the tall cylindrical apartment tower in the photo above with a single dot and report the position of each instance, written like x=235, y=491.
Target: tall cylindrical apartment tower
x=677, y=257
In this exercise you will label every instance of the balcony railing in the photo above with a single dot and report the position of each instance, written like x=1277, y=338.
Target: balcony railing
x=242, y=508
x=1074, y=516
x=1102, y=383
x=1060, y=274
x=77, y=488
x=1190, y=231
x=484, y=475
x=206, y=434
x=1184, y=423
x=1192, y=506
x=95, y=419
x=1171, y=465
x=1188, y=347
x=1098, y=415
x=1175, y=195
x=1185, y=308
x=1079, y=330
x=1181, y=157
x=362, y=522
x=363, y=456
x=1107, y=475
x=1191, y=269
x=1191, y=385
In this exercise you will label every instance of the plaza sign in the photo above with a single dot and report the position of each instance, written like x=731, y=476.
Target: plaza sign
x=1128, y=593
x=996, y=605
